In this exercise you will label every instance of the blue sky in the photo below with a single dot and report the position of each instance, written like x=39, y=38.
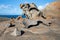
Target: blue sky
x=11, y=7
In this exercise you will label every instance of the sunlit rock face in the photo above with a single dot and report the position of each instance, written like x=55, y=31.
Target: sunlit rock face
x=53, y=9
x=51, y=12
x=31, y=10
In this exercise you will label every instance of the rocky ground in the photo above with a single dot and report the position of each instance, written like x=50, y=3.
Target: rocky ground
x=4, y=19
x=40, y=32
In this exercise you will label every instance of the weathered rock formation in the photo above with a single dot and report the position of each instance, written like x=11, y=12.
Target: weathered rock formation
x=35, y=32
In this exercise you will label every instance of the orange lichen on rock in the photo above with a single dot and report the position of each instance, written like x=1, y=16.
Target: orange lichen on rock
x=20, y=19
x=48, y=17
x=57, y=4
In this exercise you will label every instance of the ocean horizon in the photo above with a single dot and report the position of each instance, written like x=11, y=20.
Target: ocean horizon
x=12, y=16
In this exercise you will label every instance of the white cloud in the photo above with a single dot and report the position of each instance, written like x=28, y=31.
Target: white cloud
x=9, y=10
x=41, y=7
x=26, y=2
x=4, y=6
x=16, y=11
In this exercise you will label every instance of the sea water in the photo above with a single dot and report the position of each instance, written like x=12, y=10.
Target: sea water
x=12, y=16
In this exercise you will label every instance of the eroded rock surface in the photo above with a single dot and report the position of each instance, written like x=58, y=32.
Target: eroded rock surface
x=39, y=32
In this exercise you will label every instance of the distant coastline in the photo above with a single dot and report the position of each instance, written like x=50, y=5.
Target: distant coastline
x=11, y=16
